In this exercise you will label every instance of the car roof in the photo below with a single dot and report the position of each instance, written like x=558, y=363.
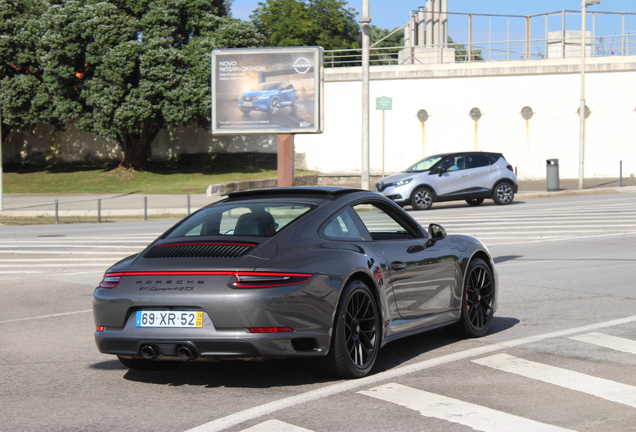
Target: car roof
x=326, y=191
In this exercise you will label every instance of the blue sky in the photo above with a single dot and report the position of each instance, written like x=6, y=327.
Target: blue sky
x=389, y=14
x=392, y=13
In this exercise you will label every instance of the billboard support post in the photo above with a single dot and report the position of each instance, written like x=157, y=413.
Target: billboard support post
x=285, y=160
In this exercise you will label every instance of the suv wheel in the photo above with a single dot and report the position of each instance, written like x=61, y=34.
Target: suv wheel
x=422, y=198
x=503, y=193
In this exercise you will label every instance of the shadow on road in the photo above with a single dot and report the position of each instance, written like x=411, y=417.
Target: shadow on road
x=290, y=372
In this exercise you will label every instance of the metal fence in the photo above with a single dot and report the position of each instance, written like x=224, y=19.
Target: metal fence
x=481, y=37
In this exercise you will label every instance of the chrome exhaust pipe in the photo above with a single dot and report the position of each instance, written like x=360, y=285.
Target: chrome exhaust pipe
x=148, y=352
x=185, y=353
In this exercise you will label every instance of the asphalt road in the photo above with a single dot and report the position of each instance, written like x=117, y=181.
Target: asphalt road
x=560, y=355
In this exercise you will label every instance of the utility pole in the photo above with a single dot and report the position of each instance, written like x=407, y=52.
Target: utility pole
x=364, y=162
x=584, y=4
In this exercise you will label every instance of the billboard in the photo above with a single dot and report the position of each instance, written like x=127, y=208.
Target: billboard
x=267, y=90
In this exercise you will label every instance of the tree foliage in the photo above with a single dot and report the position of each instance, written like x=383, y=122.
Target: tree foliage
x=326, y=23
x=19, y=70
x=124, y=69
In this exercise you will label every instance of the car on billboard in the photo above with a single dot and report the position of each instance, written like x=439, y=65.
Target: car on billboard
x=470, y=176
x=269, y=97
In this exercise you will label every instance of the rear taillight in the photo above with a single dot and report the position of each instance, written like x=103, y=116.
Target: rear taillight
x=510, y=167
x=267, y=280
x=99, y=328
x=270, y=329
x=110, y=280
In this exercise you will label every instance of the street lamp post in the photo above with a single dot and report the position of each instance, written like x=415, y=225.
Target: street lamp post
x=364, y=162
x=1, y=37
x=584, y=4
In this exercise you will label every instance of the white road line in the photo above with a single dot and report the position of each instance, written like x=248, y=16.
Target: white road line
x=603, y=388
x=305, y=398
x=607, y=341
x=20, y=272
x=456, y=411
x=46, y=316
x=78, y=252
x=562, y=238
x=105, y=263
x=54, y=246
x=16, y=260
x=275, y=426
x=50, y=242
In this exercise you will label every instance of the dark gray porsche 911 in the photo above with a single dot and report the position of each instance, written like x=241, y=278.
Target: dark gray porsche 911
x=330, y=273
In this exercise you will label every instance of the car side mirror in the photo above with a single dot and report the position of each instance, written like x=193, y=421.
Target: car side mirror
x=436, y=233
x=441, y=170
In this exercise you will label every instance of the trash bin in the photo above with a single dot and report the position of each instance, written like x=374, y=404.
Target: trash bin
x=552, y=174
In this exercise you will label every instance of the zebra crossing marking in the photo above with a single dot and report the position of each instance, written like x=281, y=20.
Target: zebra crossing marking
x=607, y=341
x=275, y=426
x=456, y=411
x=600, y=387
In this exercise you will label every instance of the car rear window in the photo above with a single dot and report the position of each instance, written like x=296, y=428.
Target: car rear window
x=262, y=219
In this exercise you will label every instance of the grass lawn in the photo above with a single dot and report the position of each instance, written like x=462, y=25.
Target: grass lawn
x=159, y=179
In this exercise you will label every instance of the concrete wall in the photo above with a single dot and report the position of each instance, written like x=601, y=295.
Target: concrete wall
x=500, y=89
x=448, y=93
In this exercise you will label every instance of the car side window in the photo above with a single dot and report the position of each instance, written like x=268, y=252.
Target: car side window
x=342, y=226
x=454, y=163
x=479, y=160
x=380, y=224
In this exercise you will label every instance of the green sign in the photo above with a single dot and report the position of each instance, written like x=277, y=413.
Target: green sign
x=384, y=103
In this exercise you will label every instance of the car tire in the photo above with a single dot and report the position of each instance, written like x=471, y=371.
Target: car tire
x=422, y=198
x=274, y=107
x=503, y=193
x=356, y=334
x=475, y=201
x=148, y=365
x=294, y=105
x=477, y=301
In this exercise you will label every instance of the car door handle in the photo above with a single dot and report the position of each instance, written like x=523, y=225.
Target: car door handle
x=398, y=265
x=464, y=175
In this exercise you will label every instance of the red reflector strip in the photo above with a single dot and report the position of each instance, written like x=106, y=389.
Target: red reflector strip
x=267, y=280
x=99, y=328
x=270, y=329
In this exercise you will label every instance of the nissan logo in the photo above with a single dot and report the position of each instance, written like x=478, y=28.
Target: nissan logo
x=302, y=65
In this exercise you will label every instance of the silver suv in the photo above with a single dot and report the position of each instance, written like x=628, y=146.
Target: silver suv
x=470, y=176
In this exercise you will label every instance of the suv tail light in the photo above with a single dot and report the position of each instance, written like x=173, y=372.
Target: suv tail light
x=510, y=167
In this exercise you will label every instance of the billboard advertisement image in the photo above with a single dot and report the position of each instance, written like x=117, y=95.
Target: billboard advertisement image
x=267, y=90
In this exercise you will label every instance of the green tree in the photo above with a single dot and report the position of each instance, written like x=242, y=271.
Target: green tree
x=326, y=23
x=461, y=52
x=383, y=52
x=126, y=69
x=19, y=70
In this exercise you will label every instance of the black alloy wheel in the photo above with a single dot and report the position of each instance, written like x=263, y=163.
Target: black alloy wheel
x=475, y=201
x=422, y=198
x=477, y=302
x=356, y=336
x=294, y=105
x=503, y=193
x=274, y=107
x=148, y=365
